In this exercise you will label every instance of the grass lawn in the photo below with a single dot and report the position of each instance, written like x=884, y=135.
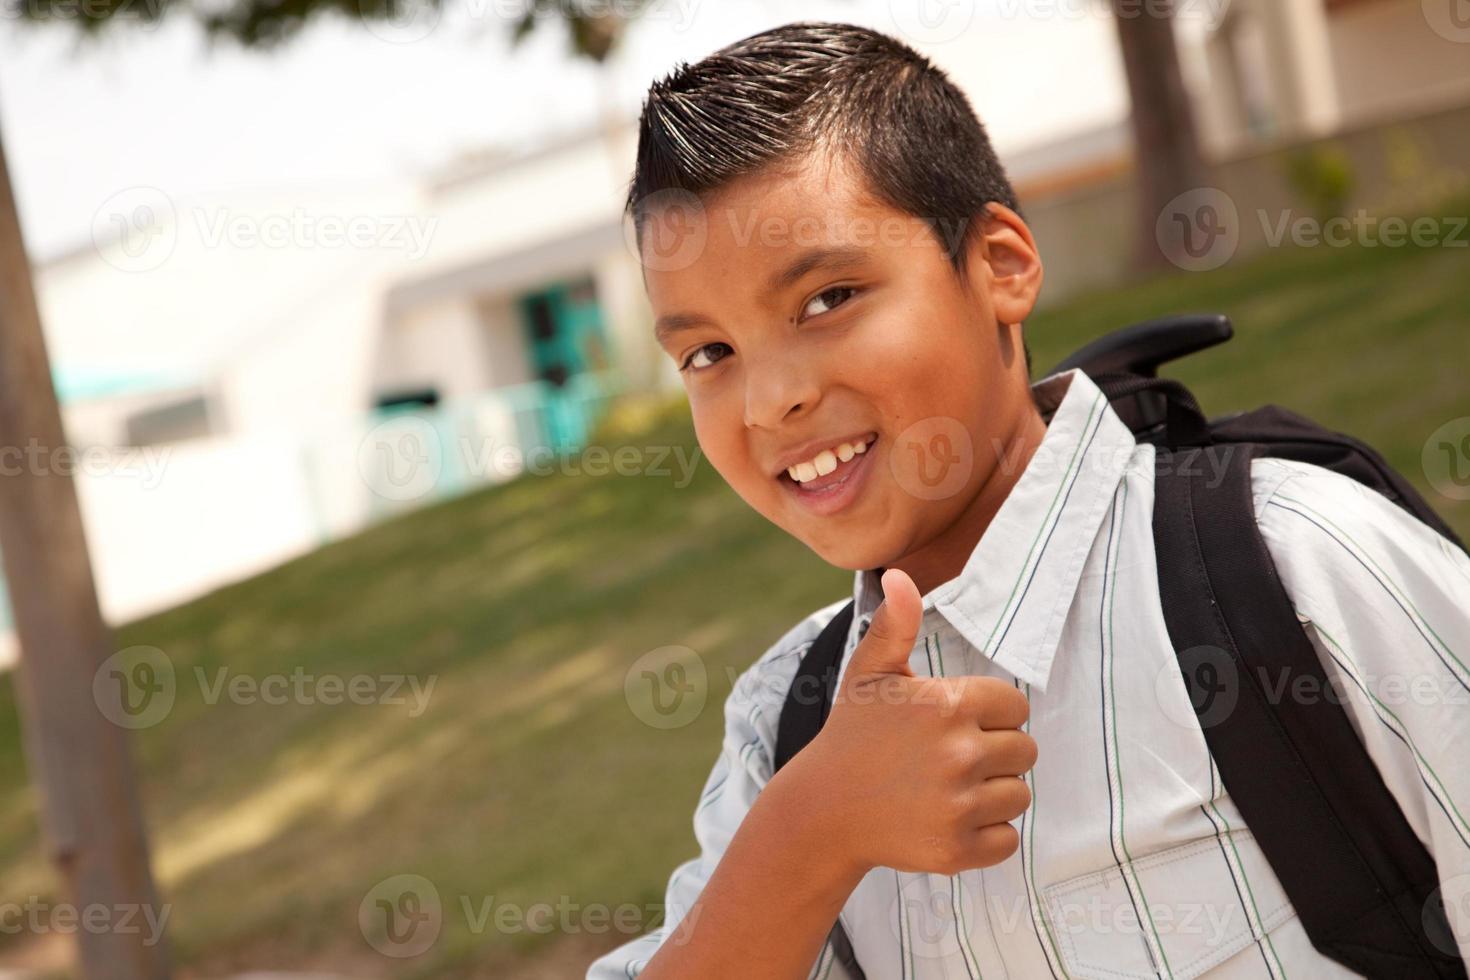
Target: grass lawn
x=528, y=779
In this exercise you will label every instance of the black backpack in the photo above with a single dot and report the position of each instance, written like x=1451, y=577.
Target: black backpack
x=1361, y=881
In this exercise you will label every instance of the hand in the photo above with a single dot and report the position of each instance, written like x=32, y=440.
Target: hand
x=917, y=773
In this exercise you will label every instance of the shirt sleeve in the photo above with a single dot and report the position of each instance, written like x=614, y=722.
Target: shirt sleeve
x=744, y=766
x=1385, y=601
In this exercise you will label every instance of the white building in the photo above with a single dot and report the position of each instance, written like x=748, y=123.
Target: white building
x=238, y=357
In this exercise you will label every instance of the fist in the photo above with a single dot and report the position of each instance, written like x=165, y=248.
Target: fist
x=918, y=773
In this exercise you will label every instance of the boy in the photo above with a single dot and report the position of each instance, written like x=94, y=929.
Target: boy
x=1012, y=781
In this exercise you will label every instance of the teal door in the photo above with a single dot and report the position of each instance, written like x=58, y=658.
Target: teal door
x=566, y=336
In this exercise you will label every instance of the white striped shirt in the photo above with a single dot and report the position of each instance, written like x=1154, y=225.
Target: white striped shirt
x=1133, y=862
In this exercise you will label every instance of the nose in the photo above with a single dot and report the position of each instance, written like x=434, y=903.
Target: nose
x=778, y=386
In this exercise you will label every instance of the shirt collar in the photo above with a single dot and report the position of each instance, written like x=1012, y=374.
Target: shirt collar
x=1012, y=597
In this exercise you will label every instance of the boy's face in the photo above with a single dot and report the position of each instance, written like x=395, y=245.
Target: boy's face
x=808, y=315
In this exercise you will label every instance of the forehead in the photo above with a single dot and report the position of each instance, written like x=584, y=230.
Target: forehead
x=815, y=184
x=734, y=238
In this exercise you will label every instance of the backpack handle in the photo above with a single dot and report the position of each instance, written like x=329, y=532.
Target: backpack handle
x=1143, y=347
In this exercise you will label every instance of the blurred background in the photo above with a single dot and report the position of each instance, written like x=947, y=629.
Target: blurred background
x=391, y=501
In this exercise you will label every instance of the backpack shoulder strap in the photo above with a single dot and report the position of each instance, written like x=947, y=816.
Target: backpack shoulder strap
x=808, y=701
x=1361, y=881
x=809, y=698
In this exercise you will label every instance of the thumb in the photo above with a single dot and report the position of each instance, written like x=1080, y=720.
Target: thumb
x=886, y=646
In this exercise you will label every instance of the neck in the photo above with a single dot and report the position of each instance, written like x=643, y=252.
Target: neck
x=944, y=557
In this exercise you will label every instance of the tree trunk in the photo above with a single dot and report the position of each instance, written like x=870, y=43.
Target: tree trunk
x=1164, y=142
x=78, y=758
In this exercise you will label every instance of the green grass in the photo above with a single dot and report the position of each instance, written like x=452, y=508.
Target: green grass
x=528, y=779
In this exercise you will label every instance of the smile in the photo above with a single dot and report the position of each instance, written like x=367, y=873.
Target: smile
x=824, y=493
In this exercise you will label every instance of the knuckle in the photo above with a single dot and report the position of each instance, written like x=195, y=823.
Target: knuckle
x=1028, y=751
x=1020, y=705
x=1017, y=797
x=962, y=749
x=979, y=695
x=963, y=807
x=1000, y=701
x=1001, y=841
x=991, y=754
x=952, y=857
x=1023, y=795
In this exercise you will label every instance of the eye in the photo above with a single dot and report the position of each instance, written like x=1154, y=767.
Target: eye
x=829, y=299
x=701, y=352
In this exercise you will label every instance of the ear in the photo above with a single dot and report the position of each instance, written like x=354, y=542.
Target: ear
x=1008, y=266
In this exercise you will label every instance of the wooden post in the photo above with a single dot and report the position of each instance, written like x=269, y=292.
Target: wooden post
x=77, y=757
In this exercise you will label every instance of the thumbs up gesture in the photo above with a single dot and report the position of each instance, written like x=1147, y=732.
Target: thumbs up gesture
x=918, y=773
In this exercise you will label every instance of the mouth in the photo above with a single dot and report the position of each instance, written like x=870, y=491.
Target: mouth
x=831, y=492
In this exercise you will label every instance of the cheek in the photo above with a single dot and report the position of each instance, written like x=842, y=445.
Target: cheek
x=914, y=383
x=721, y=433
x=918, y=346
x=941, y=366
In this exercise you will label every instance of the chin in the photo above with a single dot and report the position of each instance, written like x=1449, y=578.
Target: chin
x=851, y=555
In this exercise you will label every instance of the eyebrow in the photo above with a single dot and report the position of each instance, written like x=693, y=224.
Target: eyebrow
x=672, y=323
x=837, y=257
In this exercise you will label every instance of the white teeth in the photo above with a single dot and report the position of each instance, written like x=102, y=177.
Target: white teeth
x=826, y=461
